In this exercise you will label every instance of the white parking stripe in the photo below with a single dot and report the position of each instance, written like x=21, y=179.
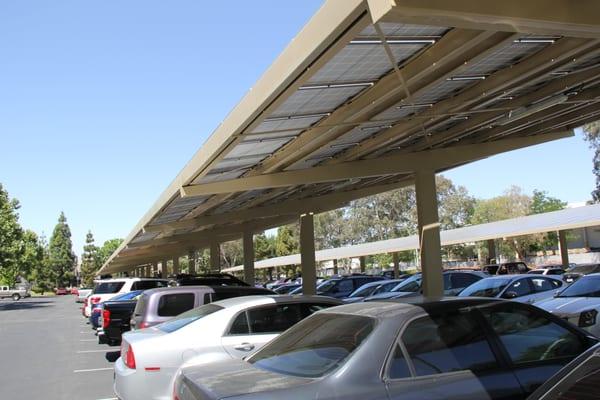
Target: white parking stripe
x=93, y=370
x=92, y=351
x=111, y=398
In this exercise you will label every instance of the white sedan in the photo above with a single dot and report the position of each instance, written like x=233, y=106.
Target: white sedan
x=579, y=303
x=223, y=330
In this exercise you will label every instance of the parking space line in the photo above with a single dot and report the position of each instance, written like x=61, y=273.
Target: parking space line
x=93, y=370
x=92, y=351
x=110, y=398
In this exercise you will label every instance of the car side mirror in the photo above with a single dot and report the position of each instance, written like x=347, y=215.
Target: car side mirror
x=510, y=295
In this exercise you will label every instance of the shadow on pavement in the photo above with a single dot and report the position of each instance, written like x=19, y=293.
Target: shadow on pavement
x=24, y=305
x=111, y=356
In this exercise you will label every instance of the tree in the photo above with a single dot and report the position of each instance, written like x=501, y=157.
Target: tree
x=107, y=249
x=42, y=275
x=32, y=254
x=90, y=261
x=232, y=253
x=287, y=241
x=61, y=256
x=592, y=135
x=542, y=203
x=11, y=246
x=264, y=246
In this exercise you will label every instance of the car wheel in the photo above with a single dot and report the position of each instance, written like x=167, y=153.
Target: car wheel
x=16, y=296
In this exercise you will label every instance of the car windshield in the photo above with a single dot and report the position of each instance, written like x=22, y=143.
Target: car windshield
x=584, y=269
x=315, y=346
x=588, y=286
x=188, y=317
x=327, y=285
x=364, y=291
x=412, y=284
x=486, y=288
x=108, y=287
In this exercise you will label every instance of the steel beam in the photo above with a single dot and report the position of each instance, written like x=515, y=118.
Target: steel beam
x=307, y=254
x=248, y=244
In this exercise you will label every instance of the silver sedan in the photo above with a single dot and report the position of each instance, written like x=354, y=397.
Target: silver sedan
x=447, y=349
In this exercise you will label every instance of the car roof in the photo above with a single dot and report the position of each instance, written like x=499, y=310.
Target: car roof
x=129, y=279
x=392, y=307
x=255, y=300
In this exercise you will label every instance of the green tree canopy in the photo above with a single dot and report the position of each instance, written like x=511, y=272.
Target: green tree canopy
x=90, y=261
x=11, y=234
x=592, y=135
x=107, y=249
x=61, y=256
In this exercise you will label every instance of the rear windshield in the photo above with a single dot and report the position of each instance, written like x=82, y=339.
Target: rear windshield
x=188, y=317
x=412, y=284
x=145, y=285
x=108, y=287
x=315, y=346
x=584, y=269
x=588, y=286
x=486, y=288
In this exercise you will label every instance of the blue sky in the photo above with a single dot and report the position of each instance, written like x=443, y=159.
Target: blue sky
x=102, y=103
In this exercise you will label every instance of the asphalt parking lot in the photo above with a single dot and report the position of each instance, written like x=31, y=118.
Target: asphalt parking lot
x=49, y=352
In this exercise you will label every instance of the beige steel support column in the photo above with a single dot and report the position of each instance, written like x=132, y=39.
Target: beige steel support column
x=564, y=248
x=335, y=266
x=175, y=265
x=164, y=268
x=307, y=254
x=248, y=243
x=215, y=257
x=396, y=260
x=363, y=264
x=192, y=262
x=491, y=247
x=429, y=233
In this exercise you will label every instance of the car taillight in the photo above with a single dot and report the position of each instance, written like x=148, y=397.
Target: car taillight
x=127, y=355
x=143, y=325
x=175, y=397
x=95, y=300
x=85, y=302
x=105, y=318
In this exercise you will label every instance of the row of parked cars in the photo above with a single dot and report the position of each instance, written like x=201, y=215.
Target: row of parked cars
x=215, y=337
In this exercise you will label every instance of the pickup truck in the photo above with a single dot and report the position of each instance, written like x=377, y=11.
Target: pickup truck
x=115, y=319
x=15, y=294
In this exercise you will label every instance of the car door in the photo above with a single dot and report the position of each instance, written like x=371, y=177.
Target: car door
x=254, y=327
x=535, y=344
x=544, y=288
x=448, y=356
x=519, y=290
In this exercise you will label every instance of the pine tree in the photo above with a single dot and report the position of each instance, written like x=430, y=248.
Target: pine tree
x=61, y=256
x=11, y=246
x=89, y=261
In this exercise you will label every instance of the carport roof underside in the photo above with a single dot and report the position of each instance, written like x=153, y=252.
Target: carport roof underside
x=367, y=93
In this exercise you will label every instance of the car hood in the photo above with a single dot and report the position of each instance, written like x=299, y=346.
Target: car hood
x=235, y=377
x=569, y=305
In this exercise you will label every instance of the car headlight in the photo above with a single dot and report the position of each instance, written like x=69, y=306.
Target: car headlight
x=587, y=318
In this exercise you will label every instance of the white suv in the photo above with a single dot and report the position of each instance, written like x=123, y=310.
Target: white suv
x=107, y=288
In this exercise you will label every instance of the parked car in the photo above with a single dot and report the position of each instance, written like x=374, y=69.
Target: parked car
x=547, y=270
x=15, y=294
x=286, y=288
x=224, y=330
x=82, y=293
x=159, y=305
x=373, y=288
x=509, y=268
x=451, y=349
x=578, y=303
x=577, y=381
x=61, y=291
x=454, y=283
x=107, y=288
x=215, y=279
x=342, y=286
x=74, y=291
x=522, y=288
x=95, y=318
x=572, y=274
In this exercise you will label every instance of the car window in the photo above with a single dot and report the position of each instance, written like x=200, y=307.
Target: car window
x=489, y=287
x=171, y=305
x=529, y=336
x=556, y=271
x=108, y=287
x=239, y=325
x=384, y=288
x=398, y=366
x=447, y=282
x=345, y=285
x=311, y=308
x=145, y=285
x=364, y=291
x=542, y=285
x=412, y=284
x=188, y=317
x=463, y=280
x=274, y=319
x=315, y=346
x=446, y=343
x=520, y=287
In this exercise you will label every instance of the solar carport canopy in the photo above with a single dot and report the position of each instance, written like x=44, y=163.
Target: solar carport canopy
x=567, y=219
x=370, y=92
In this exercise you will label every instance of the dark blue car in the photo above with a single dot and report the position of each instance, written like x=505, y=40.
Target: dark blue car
x=97, y=308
